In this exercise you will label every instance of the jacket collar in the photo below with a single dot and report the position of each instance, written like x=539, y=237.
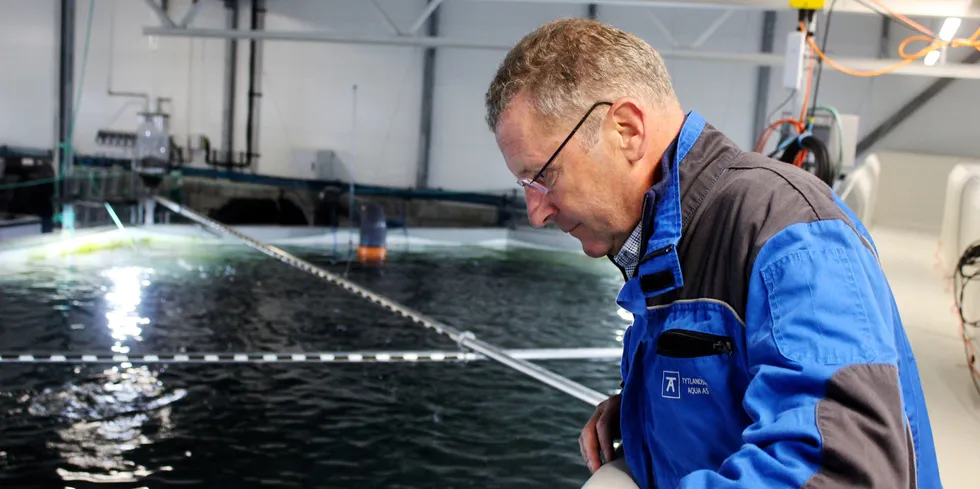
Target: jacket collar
x=668, y=206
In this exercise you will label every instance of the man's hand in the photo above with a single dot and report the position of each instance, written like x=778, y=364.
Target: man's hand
x=600, y=432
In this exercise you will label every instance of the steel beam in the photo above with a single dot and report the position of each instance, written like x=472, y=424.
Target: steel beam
x=164, y=18
x=952, y=70
x=424, y=16
x=391, y=24
x=764, y=73
x=664, y=31
x=189, y=16
x=712, y=29
x=428, y=99
x=910, y=108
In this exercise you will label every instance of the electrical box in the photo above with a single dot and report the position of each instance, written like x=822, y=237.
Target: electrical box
x=795, y=55
x=806, y=4
x=318, y=164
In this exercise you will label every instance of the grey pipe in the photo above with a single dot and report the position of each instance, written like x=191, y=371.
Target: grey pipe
x=465, y=339
x=254, y=86
x=231, y=76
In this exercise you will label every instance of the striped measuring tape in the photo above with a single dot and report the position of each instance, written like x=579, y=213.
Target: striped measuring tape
x=314, y=357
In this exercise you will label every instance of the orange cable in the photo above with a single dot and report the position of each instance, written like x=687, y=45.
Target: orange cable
x=971, y=353
x=911, y=23
x=806, y=97
x=851, y=72
x=929, y=37
x=767, y=133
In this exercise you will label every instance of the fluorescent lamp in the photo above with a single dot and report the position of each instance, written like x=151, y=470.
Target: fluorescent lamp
x=950, y=26
x=931, y=58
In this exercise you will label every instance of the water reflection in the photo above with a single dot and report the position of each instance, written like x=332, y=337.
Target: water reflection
x=112, y=412
x=122, y=300
x=623, y=313
x=627, y=316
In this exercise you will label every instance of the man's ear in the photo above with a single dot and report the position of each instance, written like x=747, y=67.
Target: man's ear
x=627, y=116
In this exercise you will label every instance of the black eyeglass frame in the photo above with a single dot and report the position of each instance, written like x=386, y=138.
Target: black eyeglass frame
x=532, y=182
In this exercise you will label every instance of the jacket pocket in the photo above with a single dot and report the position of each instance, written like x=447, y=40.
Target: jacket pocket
x=692, y=381
x=680, y=343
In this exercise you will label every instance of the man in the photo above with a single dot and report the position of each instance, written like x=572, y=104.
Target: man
x=766, y=348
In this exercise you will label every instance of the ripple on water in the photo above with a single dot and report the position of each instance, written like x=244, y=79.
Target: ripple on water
x=473, y=424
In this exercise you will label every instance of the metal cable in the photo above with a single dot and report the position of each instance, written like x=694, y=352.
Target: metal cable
x=466, y=340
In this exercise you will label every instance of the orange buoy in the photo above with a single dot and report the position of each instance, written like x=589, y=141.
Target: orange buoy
x=374, y=230
x=371, y=254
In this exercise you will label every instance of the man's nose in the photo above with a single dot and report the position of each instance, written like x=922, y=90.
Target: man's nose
x=540, y=210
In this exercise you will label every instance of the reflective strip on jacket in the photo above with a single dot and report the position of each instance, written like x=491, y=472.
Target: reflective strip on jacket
x=766, y=349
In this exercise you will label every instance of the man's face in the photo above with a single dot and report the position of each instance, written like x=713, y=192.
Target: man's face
x=589, y=189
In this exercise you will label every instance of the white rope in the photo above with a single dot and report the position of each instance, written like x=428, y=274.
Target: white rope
x=314, y=357
x=541, y=374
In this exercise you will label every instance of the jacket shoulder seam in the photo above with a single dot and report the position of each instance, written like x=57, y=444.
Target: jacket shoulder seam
x=701, y=197
x=799, y=192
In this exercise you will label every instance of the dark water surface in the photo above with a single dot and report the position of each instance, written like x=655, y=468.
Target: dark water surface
x=474, y=424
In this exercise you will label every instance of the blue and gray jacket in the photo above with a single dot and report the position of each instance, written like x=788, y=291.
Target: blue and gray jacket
x=766, y=349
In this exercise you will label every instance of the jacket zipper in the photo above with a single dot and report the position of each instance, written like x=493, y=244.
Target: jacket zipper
x=656, y=253
x=691, y=344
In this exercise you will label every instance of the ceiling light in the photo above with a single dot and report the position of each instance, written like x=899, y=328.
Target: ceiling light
x=950, y=26
x=932, y=57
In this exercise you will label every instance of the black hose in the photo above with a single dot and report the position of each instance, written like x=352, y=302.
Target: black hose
x=969, y=259
x=823, y=166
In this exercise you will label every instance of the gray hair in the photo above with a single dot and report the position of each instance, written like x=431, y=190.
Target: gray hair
x=567, y=65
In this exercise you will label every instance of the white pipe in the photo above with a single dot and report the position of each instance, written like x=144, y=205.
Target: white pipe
x=465, y=339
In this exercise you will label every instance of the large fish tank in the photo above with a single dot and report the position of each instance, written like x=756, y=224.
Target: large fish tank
x=166, y=290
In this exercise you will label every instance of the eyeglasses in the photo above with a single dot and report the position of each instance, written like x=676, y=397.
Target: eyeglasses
x=532, y=183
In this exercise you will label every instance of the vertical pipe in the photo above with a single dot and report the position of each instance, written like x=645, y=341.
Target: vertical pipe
x=231, y=67
x=149, y=211
x=428, y=93
x=885, y=41
x=350, y=191
x=66, y=89
x=763, y=73
x=254, y=86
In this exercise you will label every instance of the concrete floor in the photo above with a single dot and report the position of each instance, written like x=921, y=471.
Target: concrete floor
x=925, y=301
